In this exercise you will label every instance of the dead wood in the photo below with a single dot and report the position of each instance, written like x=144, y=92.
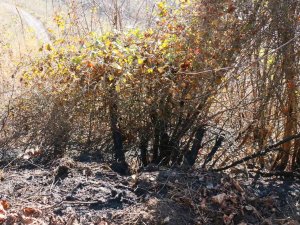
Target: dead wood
x=263, y=152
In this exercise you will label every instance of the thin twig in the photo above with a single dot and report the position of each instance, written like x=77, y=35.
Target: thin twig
x=274, y=147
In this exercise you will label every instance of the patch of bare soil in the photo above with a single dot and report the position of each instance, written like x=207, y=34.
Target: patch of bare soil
x=72, y=192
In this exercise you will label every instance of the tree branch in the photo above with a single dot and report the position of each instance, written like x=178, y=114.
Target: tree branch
x=263, y=152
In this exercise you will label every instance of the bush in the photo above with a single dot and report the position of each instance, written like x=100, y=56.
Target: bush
x=134, y=91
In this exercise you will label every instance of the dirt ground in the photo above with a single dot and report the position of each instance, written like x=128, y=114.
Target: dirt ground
x=73, y=192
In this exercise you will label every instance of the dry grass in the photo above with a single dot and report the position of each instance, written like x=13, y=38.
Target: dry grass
x=17, y=41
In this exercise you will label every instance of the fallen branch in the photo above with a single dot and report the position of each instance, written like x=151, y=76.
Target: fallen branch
x=263, y=152
x=71, y=203
x=278, y=173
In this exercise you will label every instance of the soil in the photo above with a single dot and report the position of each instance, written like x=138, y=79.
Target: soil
x=73, y=192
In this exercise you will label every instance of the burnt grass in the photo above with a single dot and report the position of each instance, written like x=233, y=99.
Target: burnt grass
x=70, y=191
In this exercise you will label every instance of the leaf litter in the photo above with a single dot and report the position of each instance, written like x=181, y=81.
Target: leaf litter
x=72, y=192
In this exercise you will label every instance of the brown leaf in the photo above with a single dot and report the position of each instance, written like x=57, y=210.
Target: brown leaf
x=184, y=66
x=28, y=211
x=291, y=84
x=231, y=8
x=228, y=219
x=5, y=204
x=233, y=198
x=237, y=186
x=219, y=199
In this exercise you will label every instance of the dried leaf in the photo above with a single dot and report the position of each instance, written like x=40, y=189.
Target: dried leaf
x=237, y=186
x=1, y=175
x=28, y=211
x=249, y=208
x=233, y=198
x=90, y=64
x=5, y=204
x=228, y=219
x=161, y=69
x=134, y=177
x=219, y=199
x=166, y=220
x=188, y=97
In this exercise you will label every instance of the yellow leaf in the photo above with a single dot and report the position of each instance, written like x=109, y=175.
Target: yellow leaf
x=118, y=88
x=150, y=70
x=107, y=43
x=140, y=61
x=111, y=77
x=49, y=47
x=161, y=5
x=164, y=45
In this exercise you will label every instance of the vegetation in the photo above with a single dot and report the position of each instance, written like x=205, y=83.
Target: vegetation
x=210, y=84
x=196, y=75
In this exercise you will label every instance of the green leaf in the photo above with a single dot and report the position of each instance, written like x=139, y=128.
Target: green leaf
x=77, y=60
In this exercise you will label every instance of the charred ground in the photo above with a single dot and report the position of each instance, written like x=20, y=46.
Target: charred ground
x=79, y=192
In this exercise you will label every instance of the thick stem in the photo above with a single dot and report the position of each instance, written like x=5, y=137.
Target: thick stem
x=116, y=133
x=191, y=156
x=144, y=150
